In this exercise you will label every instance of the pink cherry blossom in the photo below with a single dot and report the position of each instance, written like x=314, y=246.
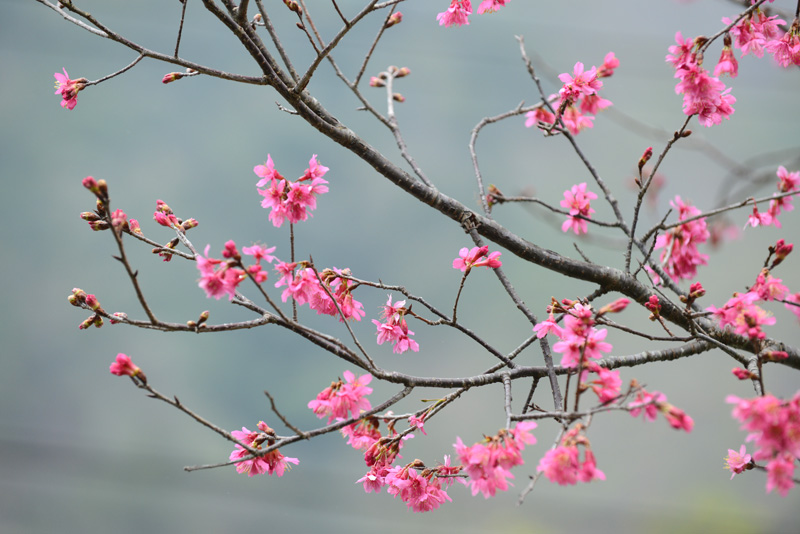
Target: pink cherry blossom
x=680, y=255
x=580, y=83
x=610, y=63
x=490, y=6
x=123, y=366
x=737, y=462
x=577, y=199
x=576, y=121
x=533, y=118
x=363, y=434
x=271, y=463
x=455, y=15
x=395, y=329
x=343, y=399
x=488, y=463
x=476, y=257
x=68, y=89
x=218, y=277
x=727, y=63
x=780, y=473
x=260, y=253
x=267, y=172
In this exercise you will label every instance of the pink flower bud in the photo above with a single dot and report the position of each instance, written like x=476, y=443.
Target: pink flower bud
x=395, y=18
x=92, y=302
x=230, y=251
x=119, y=220
x=171, y=77
x=615, y=307
x=645, y=157
x=742, y=374
x=133, y=227
x=188, y=224
x=374, y=81
x=775, y=355
x=90, y=184
x=123, y=366
x=398, y=97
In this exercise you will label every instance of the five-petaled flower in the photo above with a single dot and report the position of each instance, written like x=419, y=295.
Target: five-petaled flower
x=68, y=89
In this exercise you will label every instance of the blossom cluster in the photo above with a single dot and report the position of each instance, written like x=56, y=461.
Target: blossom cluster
x=577, y=199
x=345, y=399
x=788, y=182
x=562, y=464
x=421, y=491
x=757, y=32
x=305, y=287
x=579, y=341
x=287, y=199
x=774, y=427
x=742, y=313
x=578, y=100
x=704, y=95
x=270, y=463
x=680, y=256
x=459, y=11
x=650, y=404
x=394, y=329
x=488, y=463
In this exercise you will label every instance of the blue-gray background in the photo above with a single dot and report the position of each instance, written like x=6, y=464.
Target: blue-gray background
x=83, y=451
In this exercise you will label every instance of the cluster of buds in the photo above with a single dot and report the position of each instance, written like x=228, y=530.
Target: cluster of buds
x=80, y=299
x=165, y=217
x=392, y=72
x=696, y=291
x=654, y=306
x=200, y=322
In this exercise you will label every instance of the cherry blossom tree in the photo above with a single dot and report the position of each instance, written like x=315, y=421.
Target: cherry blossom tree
x=561, y=376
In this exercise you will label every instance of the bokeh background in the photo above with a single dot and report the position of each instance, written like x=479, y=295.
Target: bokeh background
x=84, y=451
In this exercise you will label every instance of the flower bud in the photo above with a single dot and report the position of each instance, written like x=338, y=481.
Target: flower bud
x=133, y=227
x=394, y=18
x=374, y=81
x=645, y=158
x=615, y=307
x=401, y=72
x=743, y=374
x=118, y=317
x=188, y=224
x=90, y=216
x=398, y=97
x=90, y=184
x=98, y=226
x=92, y=302
x=293, y=6
x=654, y=306
x=171, y=77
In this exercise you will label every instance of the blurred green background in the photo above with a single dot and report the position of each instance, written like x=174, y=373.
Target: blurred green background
x=83, y=451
